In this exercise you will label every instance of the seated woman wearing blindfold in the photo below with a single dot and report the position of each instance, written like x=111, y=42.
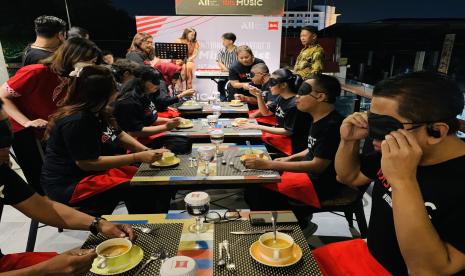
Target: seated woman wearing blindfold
x=416, y=222
x=291, y=131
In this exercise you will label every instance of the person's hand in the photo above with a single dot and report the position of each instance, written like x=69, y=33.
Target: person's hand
x=248, y=126
x=284, y=159
x=113, y=230
x=173, y=123
x=239, y=97
x=354, y=127
x=5, y=156
x=187, y=93
x=258, y=163
x=75, y=262
x=38, y=123
x=400, y=155
x=149, y=156
x=256, y=92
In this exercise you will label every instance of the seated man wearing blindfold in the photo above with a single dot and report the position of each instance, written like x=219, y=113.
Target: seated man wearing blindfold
x=417, y=216
x=309, y=175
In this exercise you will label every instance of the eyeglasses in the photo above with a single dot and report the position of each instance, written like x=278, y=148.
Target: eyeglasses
x=229, y=215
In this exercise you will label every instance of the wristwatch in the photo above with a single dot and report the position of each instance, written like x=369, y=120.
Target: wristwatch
x=93, y=227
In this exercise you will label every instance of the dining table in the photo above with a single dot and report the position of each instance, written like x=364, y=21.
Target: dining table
x=226, y=171
x=203, y=109
x=171, y=232
x=200, y=131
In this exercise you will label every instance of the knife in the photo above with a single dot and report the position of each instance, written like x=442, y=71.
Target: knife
x=261, y=231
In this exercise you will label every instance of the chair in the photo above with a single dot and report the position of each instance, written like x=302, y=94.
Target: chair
x=348, y=200
x=28, y=153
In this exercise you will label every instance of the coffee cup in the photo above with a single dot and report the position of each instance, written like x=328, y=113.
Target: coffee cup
x=168, y=157
x=113, y=254
x=279, y=250
x=236, y=102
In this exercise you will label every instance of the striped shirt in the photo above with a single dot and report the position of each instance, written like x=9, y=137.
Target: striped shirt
x=226, y=57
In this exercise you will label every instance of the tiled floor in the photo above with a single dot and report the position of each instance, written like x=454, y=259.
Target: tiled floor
x=14, y=226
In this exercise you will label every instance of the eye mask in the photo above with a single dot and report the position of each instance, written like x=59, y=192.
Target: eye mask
x=305, y=89
x=381, y=125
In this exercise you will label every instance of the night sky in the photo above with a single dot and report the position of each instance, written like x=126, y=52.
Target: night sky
x=351, y=10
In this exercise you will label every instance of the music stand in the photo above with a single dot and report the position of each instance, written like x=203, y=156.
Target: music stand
x=172, y=51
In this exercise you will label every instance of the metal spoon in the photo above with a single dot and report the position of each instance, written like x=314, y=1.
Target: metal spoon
x=229, y=264
x=274, y=216
x=144, y=230
x=154, y=256
x=249, y=146
x=221, y=261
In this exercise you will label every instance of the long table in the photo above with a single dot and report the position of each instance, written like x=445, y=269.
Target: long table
x=223, y=176
x=203, y=247
x=200, y=131
x=227, y=111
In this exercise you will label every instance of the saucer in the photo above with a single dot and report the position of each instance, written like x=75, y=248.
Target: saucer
x=257, y=256
x=137, y=254
x=236, y=122
x=187, y=124
x=175, y=161
x=236, y=105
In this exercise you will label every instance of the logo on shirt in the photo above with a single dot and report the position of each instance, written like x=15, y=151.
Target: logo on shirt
x=244, y=76
x=108, y=135
x=311, y=142
x=430, y=207
x=279, y=112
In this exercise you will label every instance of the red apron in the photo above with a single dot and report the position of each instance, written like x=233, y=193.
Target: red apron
x=17, y=261
x=281, y=142
x=297, y=186
x=267, y=120
x=169, y=113
x=348, y=258
x=99, y=183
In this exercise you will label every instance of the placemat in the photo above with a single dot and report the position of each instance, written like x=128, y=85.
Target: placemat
x=183, y=168
x=227, y=128
x=246, y=265
x=167, y=235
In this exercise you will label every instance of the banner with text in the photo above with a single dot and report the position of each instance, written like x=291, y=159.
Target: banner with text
x=230, y=7
x=262, y=34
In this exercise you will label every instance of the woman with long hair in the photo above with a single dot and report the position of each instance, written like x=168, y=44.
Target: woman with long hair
x=189, y=37
x=79, y=167
x=141, y=49
x=136, y=112
x=291, y=122
x=33, y=93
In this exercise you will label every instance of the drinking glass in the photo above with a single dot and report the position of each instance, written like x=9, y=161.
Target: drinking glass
x=217, y=138
x=197, y=205
x=206, y=154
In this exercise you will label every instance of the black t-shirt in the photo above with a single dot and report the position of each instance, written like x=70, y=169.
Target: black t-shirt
x=293, y=120
x=34, y=55
x=13, y=189
x=80, y=136
x=241, y=73
x=133, y=112
x=138, y=57
x=162, y=98
x=443, y=191
x=323, y=141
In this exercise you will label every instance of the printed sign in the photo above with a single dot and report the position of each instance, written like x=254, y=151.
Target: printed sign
x=230, y=7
